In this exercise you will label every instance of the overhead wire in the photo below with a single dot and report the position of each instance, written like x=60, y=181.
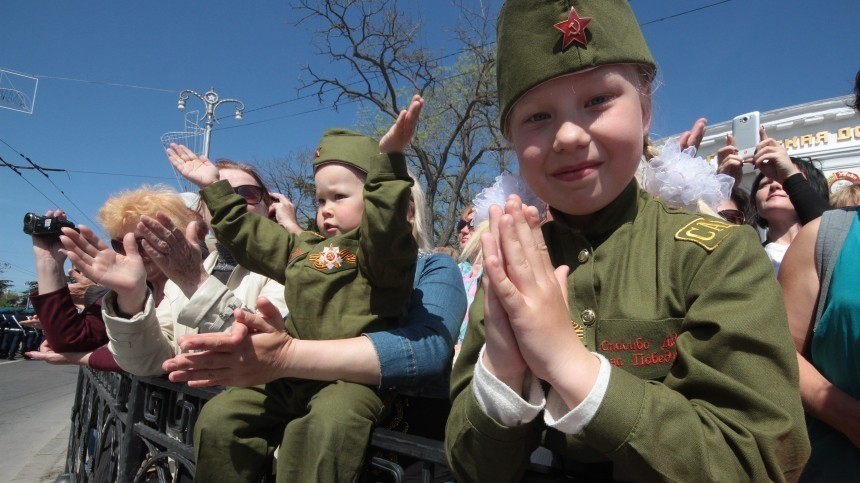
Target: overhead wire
x=42, y=171
x=326, y=91
x=322, y=92
x=684, y=13
x=53, y=203
x=20, y=269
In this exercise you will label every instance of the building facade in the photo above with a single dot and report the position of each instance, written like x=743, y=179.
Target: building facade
x=828, y=131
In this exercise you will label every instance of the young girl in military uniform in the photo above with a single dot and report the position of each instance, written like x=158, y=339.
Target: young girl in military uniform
x=634, y=341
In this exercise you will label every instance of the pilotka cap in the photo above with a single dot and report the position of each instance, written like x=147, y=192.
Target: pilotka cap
x=538, y=40
x=347, y=147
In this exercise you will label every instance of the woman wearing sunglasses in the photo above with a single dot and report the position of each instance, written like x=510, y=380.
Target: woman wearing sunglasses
x=736, y=209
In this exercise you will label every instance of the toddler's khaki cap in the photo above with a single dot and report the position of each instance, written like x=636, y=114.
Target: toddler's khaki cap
x=347, y=147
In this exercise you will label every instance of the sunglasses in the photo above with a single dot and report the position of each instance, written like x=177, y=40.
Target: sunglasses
x=116, y=244
x=733, y=216
x=253, y=194
x=463, y=224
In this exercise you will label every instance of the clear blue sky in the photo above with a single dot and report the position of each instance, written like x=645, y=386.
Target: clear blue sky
x=733, y=57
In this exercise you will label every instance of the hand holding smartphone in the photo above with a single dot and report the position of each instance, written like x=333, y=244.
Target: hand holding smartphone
x=745, y=129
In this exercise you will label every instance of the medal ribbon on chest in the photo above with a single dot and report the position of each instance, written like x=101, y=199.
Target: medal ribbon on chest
x=332, y=257
x=580, y=330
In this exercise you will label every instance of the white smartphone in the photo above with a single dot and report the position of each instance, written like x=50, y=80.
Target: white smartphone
x=745, y=129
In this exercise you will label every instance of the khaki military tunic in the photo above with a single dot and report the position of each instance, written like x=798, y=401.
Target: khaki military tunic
x=338, y=287
x=335, y=288
x=703, y=384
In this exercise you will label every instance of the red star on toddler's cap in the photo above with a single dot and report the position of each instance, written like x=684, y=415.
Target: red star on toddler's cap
x=573, y=29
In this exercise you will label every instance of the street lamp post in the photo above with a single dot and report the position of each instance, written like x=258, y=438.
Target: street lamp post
x=212, y=101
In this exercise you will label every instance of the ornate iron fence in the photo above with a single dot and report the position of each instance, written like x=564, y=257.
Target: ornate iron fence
x=128, y=428
x=140, y=429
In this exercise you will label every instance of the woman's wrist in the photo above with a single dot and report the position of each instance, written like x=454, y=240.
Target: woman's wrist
x=50, y=275
x=190, y=285
x=129, y=303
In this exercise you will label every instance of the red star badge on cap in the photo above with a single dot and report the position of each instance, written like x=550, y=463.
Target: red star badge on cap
x=573, y=29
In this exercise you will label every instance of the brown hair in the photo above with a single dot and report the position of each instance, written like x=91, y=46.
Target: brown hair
x=228, y=164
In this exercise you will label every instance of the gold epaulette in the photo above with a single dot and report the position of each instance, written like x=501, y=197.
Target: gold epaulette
x=707, y=233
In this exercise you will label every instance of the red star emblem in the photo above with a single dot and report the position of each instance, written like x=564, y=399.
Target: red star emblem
x=573, y=29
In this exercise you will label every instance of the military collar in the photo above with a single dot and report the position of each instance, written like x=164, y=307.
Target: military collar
x=602, y=223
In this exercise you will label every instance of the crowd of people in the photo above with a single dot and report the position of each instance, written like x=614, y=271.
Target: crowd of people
x=20, y=332
x=636, y=335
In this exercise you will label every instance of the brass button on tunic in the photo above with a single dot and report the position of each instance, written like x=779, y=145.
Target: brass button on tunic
x=588, y=317
x=583, y=256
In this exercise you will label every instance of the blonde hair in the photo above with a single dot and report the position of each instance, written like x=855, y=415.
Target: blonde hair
x=126, y=207
x=472, y=251
x=847, y=196
x=446, y=250
x=420, y=221
x=467, y=210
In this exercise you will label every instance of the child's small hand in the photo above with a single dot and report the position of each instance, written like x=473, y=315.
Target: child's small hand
x=400, y=134
x=197, y=169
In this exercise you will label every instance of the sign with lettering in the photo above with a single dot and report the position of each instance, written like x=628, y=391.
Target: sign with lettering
x=841, y=179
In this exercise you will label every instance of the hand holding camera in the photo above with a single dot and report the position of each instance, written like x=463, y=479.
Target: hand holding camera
x=45, y=232
x=772, y=159
x=745, y=134
x=729, y=162
x=46, y=226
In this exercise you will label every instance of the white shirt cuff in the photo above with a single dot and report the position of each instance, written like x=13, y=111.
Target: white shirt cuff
x=571, y=421
x=500, y=402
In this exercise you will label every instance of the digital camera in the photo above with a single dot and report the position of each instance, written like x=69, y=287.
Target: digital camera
x=47, y=226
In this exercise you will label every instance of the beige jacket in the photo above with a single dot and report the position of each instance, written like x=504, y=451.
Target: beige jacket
x=140, y=344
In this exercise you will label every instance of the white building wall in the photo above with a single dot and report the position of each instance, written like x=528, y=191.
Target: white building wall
x=828, y=131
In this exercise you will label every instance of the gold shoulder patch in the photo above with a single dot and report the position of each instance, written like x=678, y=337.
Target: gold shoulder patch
x=707, y=233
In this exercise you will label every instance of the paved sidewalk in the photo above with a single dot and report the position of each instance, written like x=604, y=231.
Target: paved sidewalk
x=48, y=462
x=35, y=404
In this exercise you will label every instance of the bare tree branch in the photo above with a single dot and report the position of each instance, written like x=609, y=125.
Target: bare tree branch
x=370, y=53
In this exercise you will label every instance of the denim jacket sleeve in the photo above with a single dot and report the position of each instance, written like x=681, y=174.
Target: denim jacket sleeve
x=415, y=358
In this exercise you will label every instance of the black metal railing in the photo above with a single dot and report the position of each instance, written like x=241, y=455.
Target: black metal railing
x=128, y=428
x=140, y=429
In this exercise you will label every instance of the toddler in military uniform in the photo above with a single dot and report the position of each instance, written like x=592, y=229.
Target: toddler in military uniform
x=653, y=341
x=355, y=276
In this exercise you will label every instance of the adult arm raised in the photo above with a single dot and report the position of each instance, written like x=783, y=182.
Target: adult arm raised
x=66, y=329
